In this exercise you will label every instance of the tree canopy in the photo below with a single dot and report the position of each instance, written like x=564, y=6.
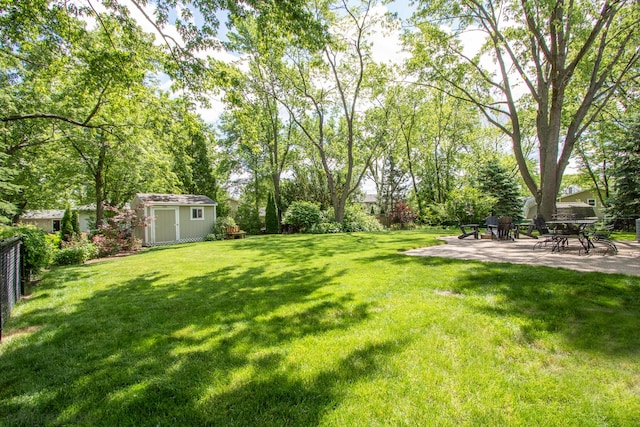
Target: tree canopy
x=95, y=109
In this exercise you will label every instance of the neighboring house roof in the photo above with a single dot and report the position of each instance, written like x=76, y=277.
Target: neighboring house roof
x=175, y=199
x=86, y=208
x=42, y=214
x=370, y=198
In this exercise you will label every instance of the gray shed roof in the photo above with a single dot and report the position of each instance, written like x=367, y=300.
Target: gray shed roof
x=175, y=199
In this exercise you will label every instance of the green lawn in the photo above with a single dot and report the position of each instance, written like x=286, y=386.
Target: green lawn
x=337, y=330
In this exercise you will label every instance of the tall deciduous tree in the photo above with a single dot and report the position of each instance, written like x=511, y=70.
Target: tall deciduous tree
x=567, y=56
x=254, y=100
x=325, y=93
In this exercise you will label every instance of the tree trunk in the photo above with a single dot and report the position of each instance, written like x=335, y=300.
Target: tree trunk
x=99, y=185
x=277, y=198
x=413, y=179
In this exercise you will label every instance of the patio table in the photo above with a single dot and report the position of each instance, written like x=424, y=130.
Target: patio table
x=571, y=227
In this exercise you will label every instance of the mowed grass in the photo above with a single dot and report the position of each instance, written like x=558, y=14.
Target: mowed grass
x=331, y=330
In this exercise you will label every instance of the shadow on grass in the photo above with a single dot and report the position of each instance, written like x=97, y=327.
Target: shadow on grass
x=590, y=311
x=208, y=350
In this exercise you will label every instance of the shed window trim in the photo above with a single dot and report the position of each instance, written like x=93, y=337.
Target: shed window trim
x=197, y=214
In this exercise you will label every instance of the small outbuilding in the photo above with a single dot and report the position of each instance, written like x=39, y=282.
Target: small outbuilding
x=174, y=218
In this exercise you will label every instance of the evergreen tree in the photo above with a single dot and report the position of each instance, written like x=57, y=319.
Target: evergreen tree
x=626, y=173
x=496, y=180
x=271, y=216
x=75, y=222
x=66, y=226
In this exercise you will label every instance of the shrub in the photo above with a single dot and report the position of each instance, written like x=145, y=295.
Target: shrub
x=301, y=216
x=53, y=242
x=115, y=236
x=326, y=228
x=356, y=219
x=248, y=218
x=465, y=206
x=219, y=230
x=75, y=252
x=210, y=237
x=37, y=252
x=403, y=215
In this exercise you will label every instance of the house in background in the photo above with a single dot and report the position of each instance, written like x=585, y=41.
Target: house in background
x=175, y=218
x=590, y=197
x=86, y=217
x=233, y=204
x=48, y=220
x=370, y=204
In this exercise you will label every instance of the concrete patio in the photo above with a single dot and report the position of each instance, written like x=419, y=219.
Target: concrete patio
x=520, y=251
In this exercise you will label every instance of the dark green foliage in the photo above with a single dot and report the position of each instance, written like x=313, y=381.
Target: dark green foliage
x=625, y=202
x=7, y=209
x=66, y=225
x=248, y=218
x=75, y=222
x=497, y=181
x=202, y=177
x=308, y=184
x=37, y=253
x=271, y=216
x=75, y=252
x=301, y=216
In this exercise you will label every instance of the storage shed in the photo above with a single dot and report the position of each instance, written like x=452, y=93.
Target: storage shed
x=174, y=218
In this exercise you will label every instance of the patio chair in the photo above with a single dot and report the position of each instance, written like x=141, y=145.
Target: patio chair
x=505, y=228
x=548, y=239
x=491, y=223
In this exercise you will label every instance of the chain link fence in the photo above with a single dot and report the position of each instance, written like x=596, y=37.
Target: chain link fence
x=11, y=275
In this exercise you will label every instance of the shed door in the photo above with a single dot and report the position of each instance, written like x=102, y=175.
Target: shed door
x=165, y=225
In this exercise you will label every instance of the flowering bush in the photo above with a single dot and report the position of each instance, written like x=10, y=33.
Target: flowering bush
x=116, y=234
x=403, y=214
